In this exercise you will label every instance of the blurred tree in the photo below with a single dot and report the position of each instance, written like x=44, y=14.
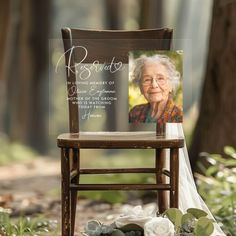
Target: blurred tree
x=151, y=15
x=26, y=72
x=112, y=11
x=216, y=123
x=112, y=23
x=4, y=23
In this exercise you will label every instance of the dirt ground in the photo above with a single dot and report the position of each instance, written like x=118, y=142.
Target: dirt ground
x=34, y=187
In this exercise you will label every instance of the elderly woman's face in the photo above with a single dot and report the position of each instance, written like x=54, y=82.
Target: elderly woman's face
x=155, y=85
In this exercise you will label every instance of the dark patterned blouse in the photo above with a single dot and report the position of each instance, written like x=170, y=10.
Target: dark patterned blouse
x=142, y=113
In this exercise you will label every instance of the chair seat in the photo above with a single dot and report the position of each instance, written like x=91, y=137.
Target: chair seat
x=140, y=140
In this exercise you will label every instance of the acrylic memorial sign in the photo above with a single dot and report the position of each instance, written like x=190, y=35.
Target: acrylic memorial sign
x=103, y=88
x=98, y=82
x=155, y=88
x=95, y=84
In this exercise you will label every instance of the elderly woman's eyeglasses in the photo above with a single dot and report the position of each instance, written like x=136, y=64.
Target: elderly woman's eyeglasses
x=148, y=80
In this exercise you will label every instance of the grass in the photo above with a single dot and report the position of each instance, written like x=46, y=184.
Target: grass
x=26, y=226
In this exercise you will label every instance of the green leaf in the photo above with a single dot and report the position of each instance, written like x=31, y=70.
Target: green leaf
x=93, y=228
x=93, y=224
x=218, y=158
x=204, y=227
x=230, y=151
x=186, y=218
x=231, y=162
x=186, y=229
x=107, y=229
x=175, y=216
x=131, y=227
x=212, y=170
x=197, y=213
x=117, y=232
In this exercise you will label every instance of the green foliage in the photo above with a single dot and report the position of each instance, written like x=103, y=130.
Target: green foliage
x=197, y=213
x=193, y=223
x=175, y=216
x=26, y=226
x=187, y=218
x=95, y=228
x=14, y=151
x=185, y=225
x=131, y=227
x=107, y=196
x=218, y=188
x=204, y=227
x=117, y=232
x=111, y=196
x=135, y=96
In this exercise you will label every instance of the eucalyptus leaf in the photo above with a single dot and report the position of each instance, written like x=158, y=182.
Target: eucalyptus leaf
x=212, y=170
x=186, y=218
x=197, y=213
x=218, y=158
x=187, y=234
x=186, y=229
x=93, y=228
x=230, y=151
x=93, y=224
x=175, y=216
x=131, y=227
x=107, y=229
x=117, y=232
x=231, y=162
x=204, y=227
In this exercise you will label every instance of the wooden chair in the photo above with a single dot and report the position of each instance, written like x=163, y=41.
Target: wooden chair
x=71, y=143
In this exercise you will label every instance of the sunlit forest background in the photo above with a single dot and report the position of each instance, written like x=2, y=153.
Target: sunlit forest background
x=33, y=105
x=34, y=110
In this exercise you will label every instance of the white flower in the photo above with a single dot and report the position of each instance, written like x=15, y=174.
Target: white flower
x=159, y=226
x=135, y=215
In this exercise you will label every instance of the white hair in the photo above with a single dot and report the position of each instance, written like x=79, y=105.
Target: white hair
x=174, y=75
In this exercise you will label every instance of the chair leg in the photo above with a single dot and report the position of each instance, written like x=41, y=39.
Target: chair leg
x=75, y=166
x=65, y=193
x=174, y=177
x=73, y=210
x=160, y=178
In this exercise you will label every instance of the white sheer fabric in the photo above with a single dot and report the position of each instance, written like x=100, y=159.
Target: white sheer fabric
x=188, y=195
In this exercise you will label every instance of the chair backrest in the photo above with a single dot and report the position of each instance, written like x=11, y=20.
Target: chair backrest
x=99, y=48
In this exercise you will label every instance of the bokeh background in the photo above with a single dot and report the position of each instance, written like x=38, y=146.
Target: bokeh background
x=31, y=45
x=33, y=108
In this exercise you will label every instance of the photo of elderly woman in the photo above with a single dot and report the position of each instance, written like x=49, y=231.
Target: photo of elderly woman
x=158, y=81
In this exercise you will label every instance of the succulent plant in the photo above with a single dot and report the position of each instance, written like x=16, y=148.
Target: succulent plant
x=107, y=229
x=95, y=228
